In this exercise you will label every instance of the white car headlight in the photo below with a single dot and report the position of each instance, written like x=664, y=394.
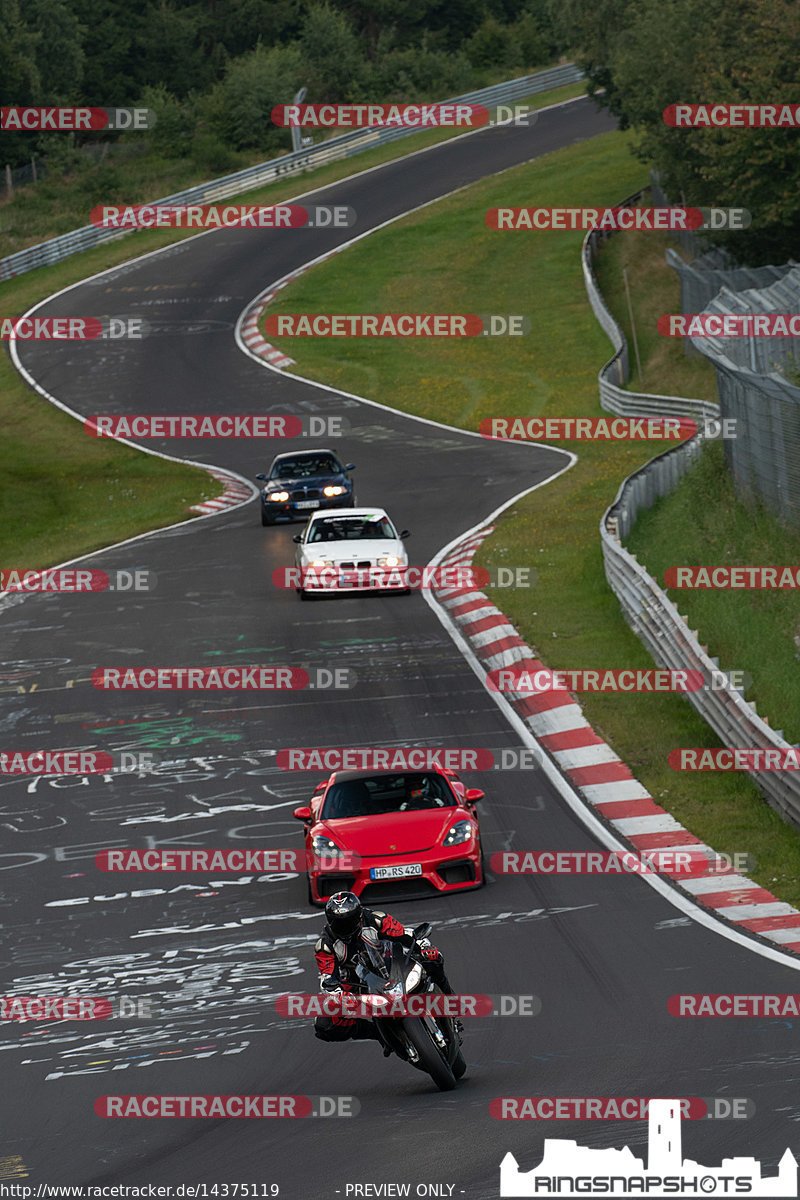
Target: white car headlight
x=323, y=847
x=333, y=490
x=460, y=832
x=318, y=563
x=391, y=560
x=278, y=496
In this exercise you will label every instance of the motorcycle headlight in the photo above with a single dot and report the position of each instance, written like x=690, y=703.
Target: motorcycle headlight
x=391, y=560
x=334, y=490
x=414, y=976
x=323, y=847
x=278, y=496
x=460, y=832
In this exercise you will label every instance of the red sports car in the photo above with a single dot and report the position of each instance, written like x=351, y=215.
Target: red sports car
x=400, y=835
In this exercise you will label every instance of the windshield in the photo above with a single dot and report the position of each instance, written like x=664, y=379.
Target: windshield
x=304, y=466
x=347, y=529
x=405, y=792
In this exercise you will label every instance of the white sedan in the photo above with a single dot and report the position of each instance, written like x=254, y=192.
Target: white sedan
x=350, y=550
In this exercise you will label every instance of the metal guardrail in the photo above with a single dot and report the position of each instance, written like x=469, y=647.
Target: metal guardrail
x=666, y=634
x=344, y=146
x=613, y=397
x=648, y=610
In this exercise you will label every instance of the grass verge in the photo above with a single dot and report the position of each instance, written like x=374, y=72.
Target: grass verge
x=653, y=285
x=446, y=260
x=753, y=631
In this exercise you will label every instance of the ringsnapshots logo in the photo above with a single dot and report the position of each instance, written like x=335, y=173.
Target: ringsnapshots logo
x=570, y=1170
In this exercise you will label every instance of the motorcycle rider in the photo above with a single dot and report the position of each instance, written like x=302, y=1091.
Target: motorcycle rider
x=336, y=952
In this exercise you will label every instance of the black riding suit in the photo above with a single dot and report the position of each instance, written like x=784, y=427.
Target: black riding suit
x=336, y=962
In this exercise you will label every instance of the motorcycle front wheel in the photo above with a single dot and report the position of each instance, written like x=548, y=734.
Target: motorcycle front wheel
x=430, y=1059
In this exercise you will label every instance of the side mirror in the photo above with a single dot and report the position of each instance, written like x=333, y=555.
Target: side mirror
x=473, y=795
x=405, y=533
x=350, y=467
x=262, y=476
x=302, y=814
x=298, y=537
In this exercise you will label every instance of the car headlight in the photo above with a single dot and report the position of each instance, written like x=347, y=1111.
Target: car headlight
x=278, y=496
x=460, y=832
x=391, y=560
x=323, y=847
x=318, y=563
x=333, y=491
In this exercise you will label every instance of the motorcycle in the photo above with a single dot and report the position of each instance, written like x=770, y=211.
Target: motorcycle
x=388, y=971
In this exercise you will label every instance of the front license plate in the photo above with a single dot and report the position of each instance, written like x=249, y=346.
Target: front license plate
x=307, y=504
x=400, y=872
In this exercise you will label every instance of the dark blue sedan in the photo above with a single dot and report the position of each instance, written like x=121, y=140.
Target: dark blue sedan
x=300, y=482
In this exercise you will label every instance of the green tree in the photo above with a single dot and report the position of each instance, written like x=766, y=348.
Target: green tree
x=20, y=81
x=59, y=49
x=173, y=132
x=239, y=109
x=650, y=54
x=333, y=61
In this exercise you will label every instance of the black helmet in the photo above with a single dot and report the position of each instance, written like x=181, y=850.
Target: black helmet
x=344, y=912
